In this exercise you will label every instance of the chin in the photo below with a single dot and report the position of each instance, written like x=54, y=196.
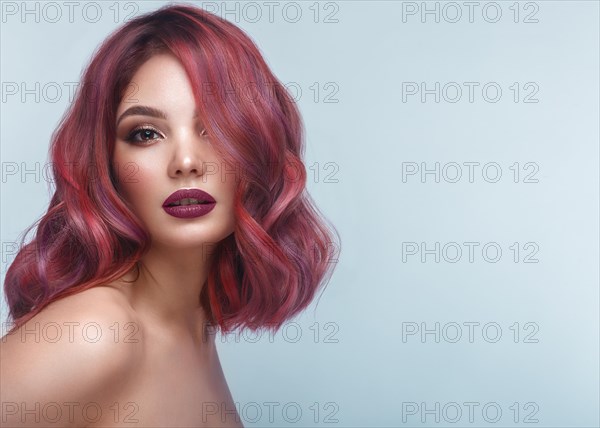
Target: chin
x=190, y=240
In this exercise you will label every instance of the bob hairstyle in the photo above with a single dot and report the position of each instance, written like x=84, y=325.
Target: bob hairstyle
x=282, y=250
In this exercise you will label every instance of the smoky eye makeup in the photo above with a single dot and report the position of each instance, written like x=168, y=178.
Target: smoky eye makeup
x=145, y=133
x=142, y=134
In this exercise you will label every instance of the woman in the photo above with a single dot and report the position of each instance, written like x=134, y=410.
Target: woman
x=180, y=209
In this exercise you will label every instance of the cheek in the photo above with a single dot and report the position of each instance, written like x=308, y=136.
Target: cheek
x=231, y=191
x=139, y=186
x=134, y=178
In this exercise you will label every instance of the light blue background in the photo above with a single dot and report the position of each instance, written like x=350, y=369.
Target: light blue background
x=364, y=377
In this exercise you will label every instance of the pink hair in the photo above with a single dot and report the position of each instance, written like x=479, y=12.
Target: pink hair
x=282, y=250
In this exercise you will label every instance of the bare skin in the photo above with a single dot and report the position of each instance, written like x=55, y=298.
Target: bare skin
x=139, y=353
x=93, y=351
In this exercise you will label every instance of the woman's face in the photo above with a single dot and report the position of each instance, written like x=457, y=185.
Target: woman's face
x=164, y=150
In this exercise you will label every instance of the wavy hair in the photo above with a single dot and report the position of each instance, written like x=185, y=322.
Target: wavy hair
x=282, y=249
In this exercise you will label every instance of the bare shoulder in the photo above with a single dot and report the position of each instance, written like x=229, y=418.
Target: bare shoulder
x=77, y=349
x=85, y=317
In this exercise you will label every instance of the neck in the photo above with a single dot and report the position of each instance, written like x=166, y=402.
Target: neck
x=167, y=290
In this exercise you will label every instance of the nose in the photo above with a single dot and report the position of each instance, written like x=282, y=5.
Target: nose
x=187, y=156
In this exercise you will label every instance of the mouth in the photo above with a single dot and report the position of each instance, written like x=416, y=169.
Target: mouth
x=185, y=197
x=189, y=203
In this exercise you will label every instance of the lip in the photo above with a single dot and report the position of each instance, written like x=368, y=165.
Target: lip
x=188, y=193
x=189, y=211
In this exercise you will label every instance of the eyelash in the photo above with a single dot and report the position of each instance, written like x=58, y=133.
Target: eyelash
x=134, y=132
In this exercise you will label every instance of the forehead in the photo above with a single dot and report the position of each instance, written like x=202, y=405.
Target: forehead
x=159, y=82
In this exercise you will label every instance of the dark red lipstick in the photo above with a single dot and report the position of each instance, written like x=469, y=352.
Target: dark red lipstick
x=189, y=203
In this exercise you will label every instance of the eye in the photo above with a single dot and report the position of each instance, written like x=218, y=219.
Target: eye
x=145, y=134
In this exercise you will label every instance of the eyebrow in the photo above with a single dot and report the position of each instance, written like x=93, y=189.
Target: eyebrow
x=145, y=111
